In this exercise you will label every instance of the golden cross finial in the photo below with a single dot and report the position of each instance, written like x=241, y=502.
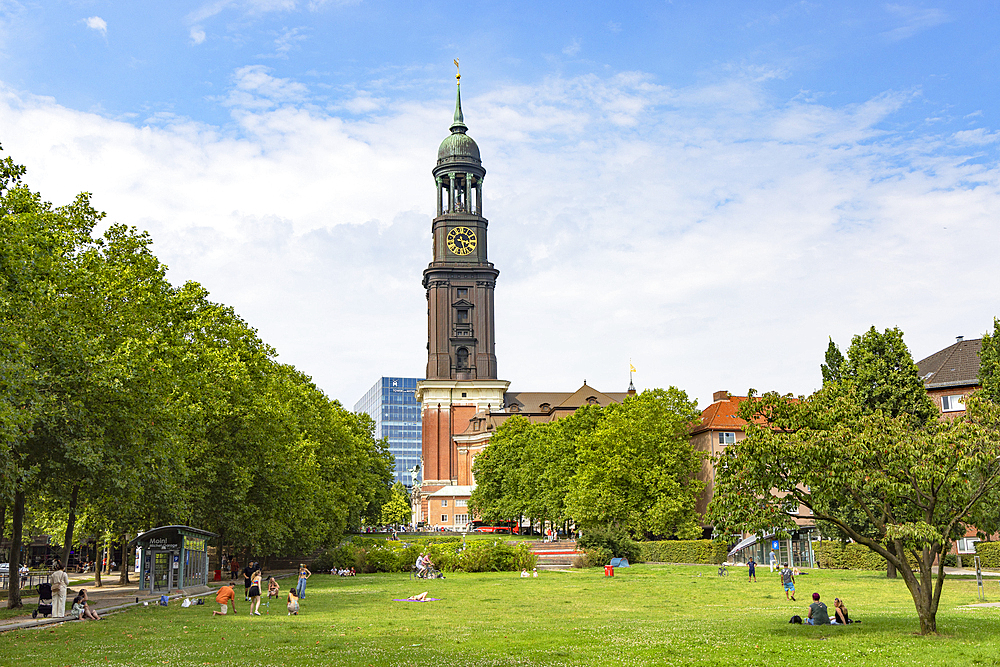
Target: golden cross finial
x=459, y=74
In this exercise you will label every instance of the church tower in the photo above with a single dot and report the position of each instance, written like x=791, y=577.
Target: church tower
x=459, y=282
x=460, y=279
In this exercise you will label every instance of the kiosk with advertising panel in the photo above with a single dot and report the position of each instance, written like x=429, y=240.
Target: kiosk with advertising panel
x=172, y=557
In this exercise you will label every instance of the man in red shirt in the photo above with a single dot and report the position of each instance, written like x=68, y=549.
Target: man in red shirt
x=225, y=597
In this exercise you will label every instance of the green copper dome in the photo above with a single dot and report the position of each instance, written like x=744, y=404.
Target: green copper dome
x=458, y=146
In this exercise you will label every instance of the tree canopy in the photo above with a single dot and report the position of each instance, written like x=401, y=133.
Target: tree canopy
x=152, y=405
x=867, y=443
x=627, y=465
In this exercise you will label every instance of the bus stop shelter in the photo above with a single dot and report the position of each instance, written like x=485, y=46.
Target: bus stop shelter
x=172, y=557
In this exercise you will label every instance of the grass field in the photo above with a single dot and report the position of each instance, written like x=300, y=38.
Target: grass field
x=645, y=615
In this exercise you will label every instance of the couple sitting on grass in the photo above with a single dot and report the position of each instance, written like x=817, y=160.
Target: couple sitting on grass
x=818, y=614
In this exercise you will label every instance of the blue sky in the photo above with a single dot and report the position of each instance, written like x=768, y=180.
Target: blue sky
x=709, y=188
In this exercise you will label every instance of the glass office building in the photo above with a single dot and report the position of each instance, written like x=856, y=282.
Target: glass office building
x=391, y=404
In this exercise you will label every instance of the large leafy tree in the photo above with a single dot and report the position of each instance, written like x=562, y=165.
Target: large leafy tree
x=636, y=469
x=917, y=479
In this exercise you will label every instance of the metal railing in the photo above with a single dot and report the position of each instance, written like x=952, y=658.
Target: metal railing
x=29, y=581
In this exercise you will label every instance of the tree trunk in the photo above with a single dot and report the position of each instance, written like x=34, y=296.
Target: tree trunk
x=3, y=520
x=98, y=567
x=890, y=571
x=14, y=578
x=923, y=600
x=70, y=526
x=123, y=563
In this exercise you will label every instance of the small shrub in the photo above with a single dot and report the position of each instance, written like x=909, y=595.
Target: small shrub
x=613, y=540
x=593, y=557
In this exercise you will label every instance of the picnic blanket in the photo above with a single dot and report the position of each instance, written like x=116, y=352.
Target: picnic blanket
x=408, y=600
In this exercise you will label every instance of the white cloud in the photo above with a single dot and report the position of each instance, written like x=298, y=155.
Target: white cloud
x=915, y=20
x=97, y=23
x=573, y=47
x=197, y=35
x=711, y=235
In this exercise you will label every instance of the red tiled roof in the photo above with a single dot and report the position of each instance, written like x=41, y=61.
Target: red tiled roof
x=721, y=415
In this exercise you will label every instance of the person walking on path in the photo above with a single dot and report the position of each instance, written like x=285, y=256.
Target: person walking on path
x=788, y=582
x=60, y=584
x=752, y=567
x=254, y=594
x=304, y=574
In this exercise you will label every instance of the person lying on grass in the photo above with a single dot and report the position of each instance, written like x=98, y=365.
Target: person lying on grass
x=419, y=597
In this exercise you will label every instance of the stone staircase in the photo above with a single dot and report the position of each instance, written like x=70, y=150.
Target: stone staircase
x=555, y=555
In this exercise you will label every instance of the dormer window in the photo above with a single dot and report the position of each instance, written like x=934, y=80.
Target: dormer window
x=513, y=407
x=544, y=407
x=592, y=400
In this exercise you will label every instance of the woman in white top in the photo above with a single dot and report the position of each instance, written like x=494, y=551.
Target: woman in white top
x=60, y=583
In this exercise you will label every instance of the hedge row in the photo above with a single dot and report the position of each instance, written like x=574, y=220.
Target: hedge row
x=449, y=555
x=853, y=556
x=683, y=551
x=989, y=554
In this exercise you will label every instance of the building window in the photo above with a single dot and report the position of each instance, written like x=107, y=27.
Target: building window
x=461, y=518
x=462, y=316
x=463, y=292
x=444, y=503
x=444, y=518
x=727, y=438
x=461, y=502
x=952, y=403
x=967, y=545
x=462, y=359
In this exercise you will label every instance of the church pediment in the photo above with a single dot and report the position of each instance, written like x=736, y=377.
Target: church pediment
x=463, y=303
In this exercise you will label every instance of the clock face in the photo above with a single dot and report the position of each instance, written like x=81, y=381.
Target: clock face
x=462, y=240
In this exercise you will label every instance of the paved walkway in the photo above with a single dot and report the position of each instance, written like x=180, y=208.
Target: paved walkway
x=110, y=597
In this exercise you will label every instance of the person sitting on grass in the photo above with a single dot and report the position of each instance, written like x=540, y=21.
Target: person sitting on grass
x=273, y=589
x=225, y=597
x=840, y=613
x=524, y=574
x=817, y=612
x=293, y=602
x=82, y=609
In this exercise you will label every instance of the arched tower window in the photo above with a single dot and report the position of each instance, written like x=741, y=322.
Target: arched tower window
x=462, y=359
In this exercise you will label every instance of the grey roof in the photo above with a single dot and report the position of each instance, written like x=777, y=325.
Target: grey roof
x=955, y=366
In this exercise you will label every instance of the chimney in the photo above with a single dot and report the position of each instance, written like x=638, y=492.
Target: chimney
x=720, y=396
x=959, y=339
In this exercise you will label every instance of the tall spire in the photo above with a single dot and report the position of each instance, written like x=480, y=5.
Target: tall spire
x=458, y=125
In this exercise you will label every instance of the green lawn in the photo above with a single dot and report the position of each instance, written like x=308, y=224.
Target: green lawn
x=648, y=614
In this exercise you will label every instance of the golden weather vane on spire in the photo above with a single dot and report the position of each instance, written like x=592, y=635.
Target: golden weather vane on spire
x=458, y=75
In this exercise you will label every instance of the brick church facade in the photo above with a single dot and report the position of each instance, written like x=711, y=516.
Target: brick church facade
x=462, y=398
